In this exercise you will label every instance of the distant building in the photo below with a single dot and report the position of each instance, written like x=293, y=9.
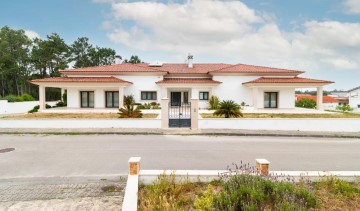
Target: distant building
x=354, y=98
x=341, y=97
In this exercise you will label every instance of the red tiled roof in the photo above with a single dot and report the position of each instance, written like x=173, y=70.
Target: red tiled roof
x=188, y=81
x=244, y=68
x=287, y=80
x=326, y=99
x=196, y=69
x=81, y=80
x=173, y=68
x=125, y=67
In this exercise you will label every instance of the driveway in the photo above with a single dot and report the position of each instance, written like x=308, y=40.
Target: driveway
x=90, y=155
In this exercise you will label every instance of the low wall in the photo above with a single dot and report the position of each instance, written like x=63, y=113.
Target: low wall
x=316, y=124
x=81, y=123
x=19, y=107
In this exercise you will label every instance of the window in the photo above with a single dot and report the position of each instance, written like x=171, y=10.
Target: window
x=112, y=99
x=148, y=96
x=204, y=95
x=270, y=99
x=87, y=99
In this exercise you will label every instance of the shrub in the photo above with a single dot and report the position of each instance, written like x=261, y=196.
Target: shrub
x=27, y=97
x=213, y=102
x=241, y=190
x=129, y=110
x=35, y=109
x=11, y=98
x=156, y=107
x=305, y=103
x=228, y=108
x=344, y=108
x=153, y=103
x=205, y=201
x=60, y=104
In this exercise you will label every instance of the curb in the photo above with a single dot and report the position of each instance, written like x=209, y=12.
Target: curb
x=194, y=133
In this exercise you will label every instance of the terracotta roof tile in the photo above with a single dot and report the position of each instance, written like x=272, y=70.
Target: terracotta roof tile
x=188, y=81
x=81, y=80
x=182, y=68
x=286, y=80
x=326, y=99
x=125, y=67
x=244, y=68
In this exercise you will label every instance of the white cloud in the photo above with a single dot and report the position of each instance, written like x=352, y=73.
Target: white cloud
x=352, y=6
x=230, y=31
x=32, y=34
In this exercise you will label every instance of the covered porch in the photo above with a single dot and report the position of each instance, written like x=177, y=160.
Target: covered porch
x=86, y=93
x=279, y=93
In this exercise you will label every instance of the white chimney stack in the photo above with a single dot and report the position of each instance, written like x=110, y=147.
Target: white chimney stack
x=118, y=59
x=190, y=61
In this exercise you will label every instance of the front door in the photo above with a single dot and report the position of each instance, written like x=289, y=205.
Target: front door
x=175, y=98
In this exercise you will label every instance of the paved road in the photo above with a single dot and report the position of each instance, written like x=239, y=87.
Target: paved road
x=45, y=156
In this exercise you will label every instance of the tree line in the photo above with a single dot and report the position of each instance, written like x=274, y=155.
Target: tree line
x=23, y=59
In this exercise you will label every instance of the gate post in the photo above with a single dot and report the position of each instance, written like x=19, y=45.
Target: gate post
x=194, y=114
x=165, y=113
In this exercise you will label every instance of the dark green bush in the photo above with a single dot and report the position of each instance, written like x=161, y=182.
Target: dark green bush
x=35, y=109
x=228, y=109
x=60, y=104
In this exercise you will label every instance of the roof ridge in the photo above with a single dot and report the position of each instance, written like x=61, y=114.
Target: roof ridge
x=235, y=65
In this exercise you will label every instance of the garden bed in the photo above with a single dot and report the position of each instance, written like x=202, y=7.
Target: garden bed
x=268, y=115
x=72, y=116
x=249, y=192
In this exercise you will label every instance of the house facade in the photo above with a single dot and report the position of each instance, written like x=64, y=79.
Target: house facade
x=254, y=86
x=354, y=98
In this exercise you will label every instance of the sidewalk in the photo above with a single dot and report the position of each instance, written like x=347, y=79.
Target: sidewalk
x=180, y=131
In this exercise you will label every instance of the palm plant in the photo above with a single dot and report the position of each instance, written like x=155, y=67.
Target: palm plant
x=129, y=110
x=229, y=109
x=213, y=102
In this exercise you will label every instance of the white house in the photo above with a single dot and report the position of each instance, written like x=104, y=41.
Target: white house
x=105, y=86
x=354, y=98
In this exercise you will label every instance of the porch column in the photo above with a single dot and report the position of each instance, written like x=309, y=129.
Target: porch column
x=42, y=97
x=164, y=92
x=62, y=94
x=319, y=98
x=194, y=109
x=121, y=97
x=164, y=113
x=255, y=97
x=194, y=114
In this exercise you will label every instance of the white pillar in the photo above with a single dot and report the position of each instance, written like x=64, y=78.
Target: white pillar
x=121, y=97
x=164, y=113
x=255, y=97
x=194, y=114
x=42, y=97
x=319, y=98
x=62, y=94
x=194, y=93
x=164, y=92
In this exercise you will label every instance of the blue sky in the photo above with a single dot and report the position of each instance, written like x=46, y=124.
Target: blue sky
x=321, y=37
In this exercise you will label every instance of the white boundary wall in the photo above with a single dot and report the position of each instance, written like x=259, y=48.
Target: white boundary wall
x=318, y=124
x=81, y=123
x=19, y=107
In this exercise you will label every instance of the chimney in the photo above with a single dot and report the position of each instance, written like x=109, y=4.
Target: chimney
x=118, y=59
x=190, y=61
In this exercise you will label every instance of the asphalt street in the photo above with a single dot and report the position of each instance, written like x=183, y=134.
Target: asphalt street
x=93, y=155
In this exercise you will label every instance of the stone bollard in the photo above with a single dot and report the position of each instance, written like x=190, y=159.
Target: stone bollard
x=262, y=167
x=134, y=165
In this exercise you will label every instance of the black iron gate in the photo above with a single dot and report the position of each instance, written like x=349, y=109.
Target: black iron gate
x=179, y=115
